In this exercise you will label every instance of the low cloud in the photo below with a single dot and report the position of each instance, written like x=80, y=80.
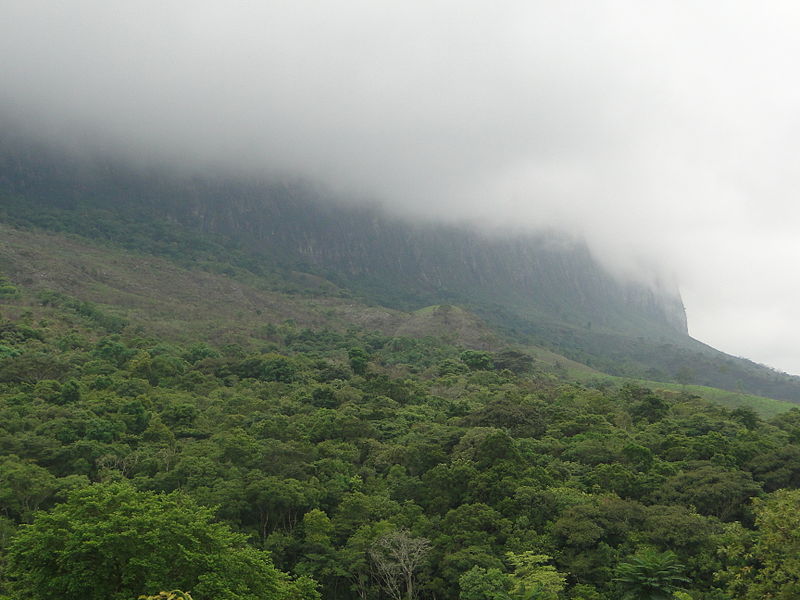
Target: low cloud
x=665, y=133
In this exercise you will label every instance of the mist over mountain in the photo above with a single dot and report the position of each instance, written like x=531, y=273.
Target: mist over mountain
x=545, y=289
x=293, y=222
x=662, y=135
x=425, y=299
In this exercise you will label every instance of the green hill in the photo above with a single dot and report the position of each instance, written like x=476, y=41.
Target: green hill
x=540, y=290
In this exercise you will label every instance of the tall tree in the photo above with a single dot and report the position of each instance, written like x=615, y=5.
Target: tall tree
x=650, y=575
x=766, y=564
x=397, y=556
x=111, y=542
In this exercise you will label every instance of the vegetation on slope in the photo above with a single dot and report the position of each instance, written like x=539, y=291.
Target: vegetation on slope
x=373, y=464
x=536, y=290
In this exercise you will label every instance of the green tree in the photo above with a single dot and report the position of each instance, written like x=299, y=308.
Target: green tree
x=70, y=392
x=24, y=486
x=359, y=359
x=111, y=542
x=513, y=360
x=320, y=559
x=533, y=578
x=484, y=584
x=777, y=469
x=356, y=560
x=650, y=575
x=746, y=416
x=7, y=289
x=477, y=360
x=713, y=490
x=766, y=564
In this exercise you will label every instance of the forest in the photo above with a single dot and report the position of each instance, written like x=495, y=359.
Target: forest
x=344, y=464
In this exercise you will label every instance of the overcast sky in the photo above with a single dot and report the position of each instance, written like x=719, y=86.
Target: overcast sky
x=667, y=133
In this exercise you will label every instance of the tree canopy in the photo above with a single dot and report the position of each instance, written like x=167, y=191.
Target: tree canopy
x=111, y=542
x=244, y=467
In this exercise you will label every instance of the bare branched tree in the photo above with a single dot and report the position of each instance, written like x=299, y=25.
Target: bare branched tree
x=396, y=557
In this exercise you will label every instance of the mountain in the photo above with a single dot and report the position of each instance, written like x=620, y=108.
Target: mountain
x=250, y=390
x=540, y=289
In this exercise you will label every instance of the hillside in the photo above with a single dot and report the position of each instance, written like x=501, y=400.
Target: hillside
x=541, y=290
x=176, y=303
x=144, y=401
x=162, y=382
x=158, y=297
x=291, y=225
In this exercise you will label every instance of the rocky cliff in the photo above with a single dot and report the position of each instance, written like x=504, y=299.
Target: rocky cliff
x=539, y=278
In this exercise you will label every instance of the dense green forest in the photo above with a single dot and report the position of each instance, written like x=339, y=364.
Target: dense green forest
x=346, y=463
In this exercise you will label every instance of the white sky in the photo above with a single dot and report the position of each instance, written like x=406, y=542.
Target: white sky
x=667, y=133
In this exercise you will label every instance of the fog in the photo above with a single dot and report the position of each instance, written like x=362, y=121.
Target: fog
x=665, y=133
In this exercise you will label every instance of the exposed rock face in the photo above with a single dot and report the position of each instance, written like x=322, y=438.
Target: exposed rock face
x=414, y=264
x=540, y=278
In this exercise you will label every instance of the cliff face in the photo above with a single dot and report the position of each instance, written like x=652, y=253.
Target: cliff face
x=542, y=278
x=409, y=265
x=545, y=289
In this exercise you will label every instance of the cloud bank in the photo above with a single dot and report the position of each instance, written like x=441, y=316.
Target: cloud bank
x=666, y=133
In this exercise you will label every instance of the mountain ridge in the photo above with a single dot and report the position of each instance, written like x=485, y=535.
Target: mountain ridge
x=544, y=290
x=295, y=226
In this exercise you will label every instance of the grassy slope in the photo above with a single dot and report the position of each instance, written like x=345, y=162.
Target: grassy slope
x=183, y=304
x=766, y=407
x=170, y=301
